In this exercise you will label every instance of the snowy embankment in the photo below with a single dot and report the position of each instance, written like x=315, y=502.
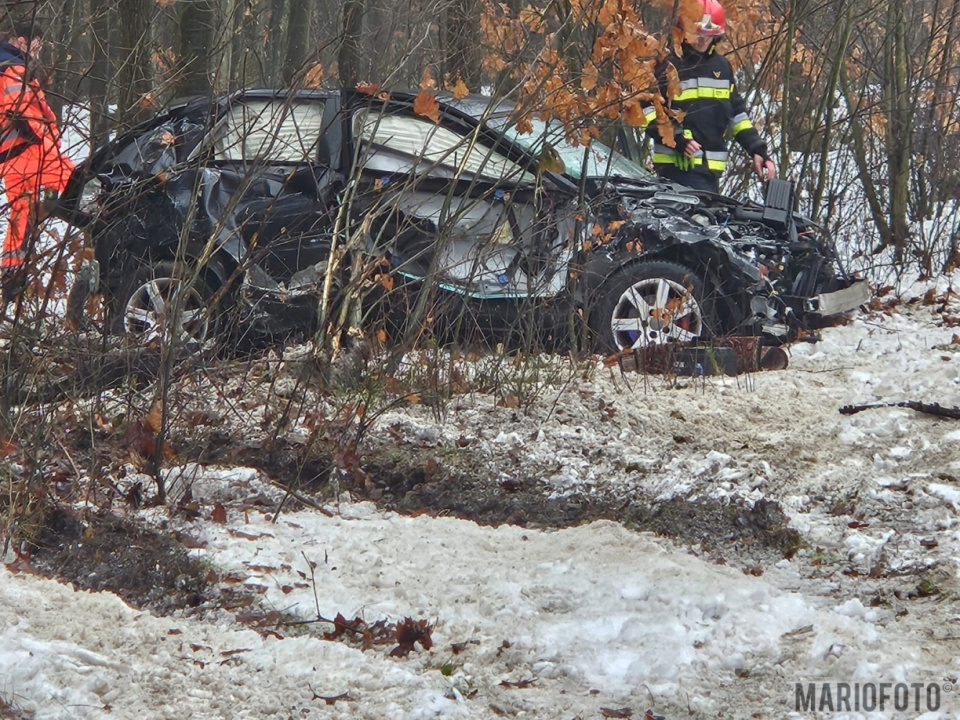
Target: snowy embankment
x=565, y=623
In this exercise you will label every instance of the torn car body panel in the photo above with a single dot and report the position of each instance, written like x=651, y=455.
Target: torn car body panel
x=490, y=246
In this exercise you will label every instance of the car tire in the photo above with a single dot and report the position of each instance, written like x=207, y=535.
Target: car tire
x=651, y=303
x=143, y=305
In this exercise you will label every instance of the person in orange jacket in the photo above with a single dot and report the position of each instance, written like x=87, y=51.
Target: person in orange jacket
x=30, y=155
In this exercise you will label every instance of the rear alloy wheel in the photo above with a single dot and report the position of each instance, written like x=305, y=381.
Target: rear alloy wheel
x=653, y=303
x=163, y=303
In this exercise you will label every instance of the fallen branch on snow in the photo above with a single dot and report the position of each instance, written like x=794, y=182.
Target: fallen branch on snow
x=930, y=408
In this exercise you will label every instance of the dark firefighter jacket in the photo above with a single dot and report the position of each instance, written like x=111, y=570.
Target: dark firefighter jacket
x=713, y=109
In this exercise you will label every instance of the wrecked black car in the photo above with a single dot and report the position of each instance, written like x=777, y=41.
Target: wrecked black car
x=274, y=205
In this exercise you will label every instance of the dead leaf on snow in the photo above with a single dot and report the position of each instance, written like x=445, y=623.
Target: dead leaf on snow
x=616, y=713
x=509, y=401
x=219, y=514
x=247, y=536
x=7, y=446
x=519, y=685
x=332, y=699
x=230, y=653
x=459, y=647
x=409, y=632
x=190, y=542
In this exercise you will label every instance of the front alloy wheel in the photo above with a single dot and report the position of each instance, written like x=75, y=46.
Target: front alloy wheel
x=654, y=303
x=654, y=312
x=164, y=304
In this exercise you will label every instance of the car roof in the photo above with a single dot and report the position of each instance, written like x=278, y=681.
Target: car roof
x=477, y=106
x=282, y=93
x=196, y=101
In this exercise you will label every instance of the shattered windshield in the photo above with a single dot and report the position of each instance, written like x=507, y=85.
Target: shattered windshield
x=602, y=161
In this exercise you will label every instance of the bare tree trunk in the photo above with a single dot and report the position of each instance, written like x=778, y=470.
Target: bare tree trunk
x=64, y=88
x=460, y=42
x=349, y=56
x=936, y=175
x=197, y=20
x=839, y=58
x=899, y=127
x=786, y=95
x=134, y=78
x=276, y=22
x=99, y=71
x=381, y=24
x=298, y=36
x=243, y=44
x=860, y=157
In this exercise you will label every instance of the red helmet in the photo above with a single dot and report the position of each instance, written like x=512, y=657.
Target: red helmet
x=714, y=22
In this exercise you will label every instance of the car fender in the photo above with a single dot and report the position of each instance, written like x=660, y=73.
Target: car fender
x=712, y=262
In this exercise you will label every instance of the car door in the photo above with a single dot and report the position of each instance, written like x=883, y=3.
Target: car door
x=275, y=195
x=462, y=211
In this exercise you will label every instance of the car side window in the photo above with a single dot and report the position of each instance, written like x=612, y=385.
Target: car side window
x=271, y=131
x=401, y=143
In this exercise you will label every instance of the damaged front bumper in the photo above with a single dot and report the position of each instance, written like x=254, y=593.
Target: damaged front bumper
x=839, y=301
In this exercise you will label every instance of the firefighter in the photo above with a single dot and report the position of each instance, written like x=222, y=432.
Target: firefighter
x=712, y=108
x=30, y=155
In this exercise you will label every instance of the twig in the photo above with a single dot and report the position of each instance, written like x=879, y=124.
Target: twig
x=930, y=408
x=313, y=581
x=290, y=492
x=66, y=452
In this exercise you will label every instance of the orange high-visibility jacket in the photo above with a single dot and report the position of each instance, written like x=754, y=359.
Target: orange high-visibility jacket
x=25, y=120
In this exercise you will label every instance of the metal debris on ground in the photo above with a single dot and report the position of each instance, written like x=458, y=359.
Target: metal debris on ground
x=725, y=356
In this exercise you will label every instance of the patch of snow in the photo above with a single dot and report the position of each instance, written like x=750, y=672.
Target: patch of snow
x=576, y=619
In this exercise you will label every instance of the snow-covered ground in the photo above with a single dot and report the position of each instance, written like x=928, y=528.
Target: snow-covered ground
x=584, y=622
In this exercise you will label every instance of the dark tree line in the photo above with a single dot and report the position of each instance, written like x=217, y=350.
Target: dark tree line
x=126, y=58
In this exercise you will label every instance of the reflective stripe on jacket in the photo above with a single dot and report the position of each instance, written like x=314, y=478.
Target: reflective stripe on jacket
x=25, y=117
x=713, y=110
x=713, y=159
